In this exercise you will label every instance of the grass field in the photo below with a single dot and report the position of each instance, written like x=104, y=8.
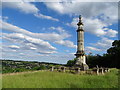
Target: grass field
x=46, y=79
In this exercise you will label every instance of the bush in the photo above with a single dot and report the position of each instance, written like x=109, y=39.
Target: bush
x=43, y=67
x=70, y=63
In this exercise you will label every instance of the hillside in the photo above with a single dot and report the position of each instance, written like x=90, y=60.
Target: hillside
x=10, y=66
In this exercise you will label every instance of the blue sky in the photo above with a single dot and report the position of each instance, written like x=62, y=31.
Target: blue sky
x=46, y=31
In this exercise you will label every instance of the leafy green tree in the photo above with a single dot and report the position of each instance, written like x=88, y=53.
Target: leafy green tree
x=42, y=67
x=57, y=66
x=71, y=62
x=36, y=68
x=114, y=53
x=93, y=60
x=110, y=59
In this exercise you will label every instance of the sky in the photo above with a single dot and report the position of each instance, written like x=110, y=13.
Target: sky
x=46, y=31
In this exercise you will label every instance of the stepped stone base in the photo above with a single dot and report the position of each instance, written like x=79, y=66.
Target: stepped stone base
x=82, y=66
x=85, y=67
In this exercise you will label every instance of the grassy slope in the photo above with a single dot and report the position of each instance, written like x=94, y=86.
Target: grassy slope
x=60, y=80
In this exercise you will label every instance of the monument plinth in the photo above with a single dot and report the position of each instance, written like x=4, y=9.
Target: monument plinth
x=80, y=54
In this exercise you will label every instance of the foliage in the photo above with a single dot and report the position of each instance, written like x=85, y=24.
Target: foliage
x=56, y=66
x=110, y=59
x=70, y=63
x=10, y=66
x=43, y=67
x=114, y=53
x=60, y=80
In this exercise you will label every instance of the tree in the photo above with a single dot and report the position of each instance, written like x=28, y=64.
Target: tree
x=71, y=62
x=93, y=60
x=114, y=53
x=42, y=67
x=115, y=50
x=116, y=43
x=110, y=59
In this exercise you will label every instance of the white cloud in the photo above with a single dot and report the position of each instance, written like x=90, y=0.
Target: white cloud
x=101, y=45
x=45, y=17
x=66, y=43
x=14, y=47
x=89, y=48
x=33, y=48
x=63, y=42
x=25, y=7
x=66, y=50
x=4, y=18
x=59, y=29
x=62, y=0
x=87, y=9
x=111, y=33
x=97, y=15
x=52, y=37
x=28, y=42
x=55, y=6
x=7, y=53
x=28, y=8
x=33, y=43
x=104, y=43
x=95, y=26
x=47, y=52
x=12, y=28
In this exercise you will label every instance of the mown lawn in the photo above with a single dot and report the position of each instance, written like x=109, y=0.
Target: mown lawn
x=46, y=79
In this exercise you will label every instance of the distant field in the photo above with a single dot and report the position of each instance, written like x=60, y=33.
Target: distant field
x=46, y=79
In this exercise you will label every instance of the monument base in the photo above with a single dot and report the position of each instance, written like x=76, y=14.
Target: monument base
x=85, y=67
x=82, y=66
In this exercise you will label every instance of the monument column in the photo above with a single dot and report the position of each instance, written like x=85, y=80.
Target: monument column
x=80, y=54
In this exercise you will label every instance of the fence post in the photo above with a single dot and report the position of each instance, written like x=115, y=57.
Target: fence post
x=64, y=69
x=102, y=71
x=77, y=70
x=52, y=68
x=97, y=71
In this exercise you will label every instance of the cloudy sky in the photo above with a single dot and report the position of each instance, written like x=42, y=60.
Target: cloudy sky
x=46, y=31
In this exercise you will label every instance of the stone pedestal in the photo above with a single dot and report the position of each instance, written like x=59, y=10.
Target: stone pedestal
x=83, y=67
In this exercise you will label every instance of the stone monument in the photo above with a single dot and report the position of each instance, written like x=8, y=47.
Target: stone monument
x=80, y=54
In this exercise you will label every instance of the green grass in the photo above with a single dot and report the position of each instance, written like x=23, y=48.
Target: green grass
x=48, y=79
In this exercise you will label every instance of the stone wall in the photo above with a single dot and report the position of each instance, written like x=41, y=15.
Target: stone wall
x=77, y=70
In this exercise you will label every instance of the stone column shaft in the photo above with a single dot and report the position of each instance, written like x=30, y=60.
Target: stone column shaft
x=80, y=41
